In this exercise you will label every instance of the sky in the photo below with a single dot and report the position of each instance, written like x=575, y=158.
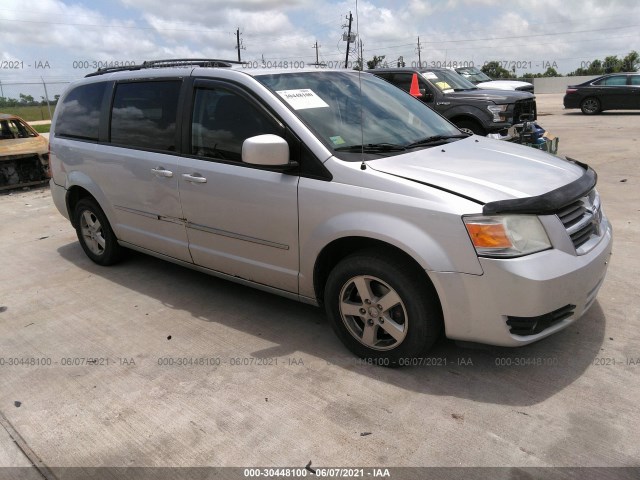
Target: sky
x=63, y=40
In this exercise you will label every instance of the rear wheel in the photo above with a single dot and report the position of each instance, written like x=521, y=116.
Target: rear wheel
x=382, y=308
x=590, y=106
x=471, y=127
x=95, y=234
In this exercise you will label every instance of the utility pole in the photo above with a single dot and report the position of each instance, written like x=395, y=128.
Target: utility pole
x=238, y=43
x=419, y=50
x=46, y=95
x=361, y=56
x=316, y=46
x=346, y=58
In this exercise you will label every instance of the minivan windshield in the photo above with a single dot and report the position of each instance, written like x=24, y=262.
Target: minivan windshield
x=376, y=120
x=448, y=80
x=473, y=74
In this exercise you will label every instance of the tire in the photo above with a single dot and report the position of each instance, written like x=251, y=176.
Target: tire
x=95, y=234
x=471, y=127
x=590, y=106
x=408, y=305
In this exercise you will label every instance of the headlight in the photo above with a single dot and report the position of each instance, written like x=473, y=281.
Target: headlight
x=506, y=235
x=498, y=112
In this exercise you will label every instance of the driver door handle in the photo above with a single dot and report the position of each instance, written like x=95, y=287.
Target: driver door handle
x=194, y=178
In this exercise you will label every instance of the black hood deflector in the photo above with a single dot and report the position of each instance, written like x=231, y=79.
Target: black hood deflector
x=550, y=202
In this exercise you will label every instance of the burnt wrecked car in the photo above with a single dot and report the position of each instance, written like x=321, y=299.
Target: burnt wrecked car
x=24, y=154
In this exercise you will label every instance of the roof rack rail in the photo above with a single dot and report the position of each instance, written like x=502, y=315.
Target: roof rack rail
x=173, y=62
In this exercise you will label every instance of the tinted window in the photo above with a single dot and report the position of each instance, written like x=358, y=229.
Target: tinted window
x=615, y=80
x=144, y=114
x=222, y=120
x=635, y=79
x=80, y=114
x=402, y=80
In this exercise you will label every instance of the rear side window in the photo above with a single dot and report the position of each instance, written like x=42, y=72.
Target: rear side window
x=144, y=115
x=635, y=79
x=80, y=113
x=613, y=81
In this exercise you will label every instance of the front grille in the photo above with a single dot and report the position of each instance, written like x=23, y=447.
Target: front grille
x=525, y=110
x=582, y=219
x=525, y=326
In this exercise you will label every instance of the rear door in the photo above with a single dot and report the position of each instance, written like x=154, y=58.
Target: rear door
x=134, y=163
x=241, y=220
x=634, y=88
x=613, y=92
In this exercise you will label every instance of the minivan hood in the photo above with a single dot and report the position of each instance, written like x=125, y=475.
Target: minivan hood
x=483, y=169
x=496, y=96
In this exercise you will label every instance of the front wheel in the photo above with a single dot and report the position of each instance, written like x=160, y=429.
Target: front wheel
x=470, y=127
x=382, y=308
x=95, y=234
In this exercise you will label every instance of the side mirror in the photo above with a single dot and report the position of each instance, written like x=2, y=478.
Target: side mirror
x=266, y=150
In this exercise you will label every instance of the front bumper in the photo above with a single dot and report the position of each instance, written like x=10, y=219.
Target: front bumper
x=477, y=307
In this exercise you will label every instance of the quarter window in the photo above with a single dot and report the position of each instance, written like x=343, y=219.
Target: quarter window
x=80, y=113
x=615, y=80
x=222, y=120
x=144, y=115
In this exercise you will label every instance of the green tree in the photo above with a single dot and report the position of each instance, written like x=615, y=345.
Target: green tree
x=612, y=64
x=375, y=62
x=495, y=70
x=551, y=72
x=631, y=62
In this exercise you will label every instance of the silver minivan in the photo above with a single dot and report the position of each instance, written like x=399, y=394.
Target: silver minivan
x=334, y=188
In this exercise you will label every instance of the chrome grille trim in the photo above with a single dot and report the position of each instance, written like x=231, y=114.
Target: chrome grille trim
x=581, y=219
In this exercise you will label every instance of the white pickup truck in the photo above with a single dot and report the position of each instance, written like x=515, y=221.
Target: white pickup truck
x=481, y=80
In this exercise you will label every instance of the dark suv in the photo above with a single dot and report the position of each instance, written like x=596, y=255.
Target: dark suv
x=471, y=109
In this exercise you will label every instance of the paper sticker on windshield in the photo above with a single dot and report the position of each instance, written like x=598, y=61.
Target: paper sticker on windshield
x=430, y=75
x=337, y=140
x=303, y=98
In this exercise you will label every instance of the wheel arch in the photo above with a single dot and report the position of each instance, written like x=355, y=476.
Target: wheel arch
x=74, y=195
x=467, y=118
x=340, y=248
x=79, y=186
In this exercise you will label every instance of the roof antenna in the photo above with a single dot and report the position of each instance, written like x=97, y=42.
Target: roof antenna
x=363, y=165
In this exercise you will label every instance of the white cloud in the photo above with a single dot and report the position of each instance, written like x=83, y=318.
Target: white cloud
x=64, y=31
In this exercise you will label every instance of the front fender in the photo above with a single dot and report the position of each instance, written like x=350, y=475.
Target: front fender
x=436, y=240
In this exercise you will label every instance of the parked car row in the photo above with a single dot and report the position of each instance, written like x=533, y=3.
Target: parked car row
x=473, y=110
x=335, y=188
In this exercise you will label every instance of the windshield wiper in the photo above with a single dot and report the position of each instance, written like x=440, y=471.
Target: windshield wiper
x=372, y=148
x=435, y=140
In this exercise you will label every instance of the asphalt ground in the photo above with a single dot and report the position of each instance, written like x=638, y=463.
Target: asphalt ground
x=110, y=378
